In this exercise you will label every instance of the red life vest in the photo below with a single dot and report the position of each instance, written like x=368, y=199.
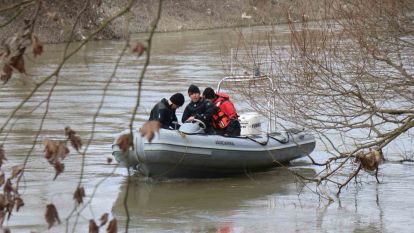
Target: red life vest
x=225, y=113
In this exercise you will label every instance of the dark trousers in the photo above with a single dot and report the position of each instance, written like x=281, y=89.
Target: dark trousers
x=233, y=129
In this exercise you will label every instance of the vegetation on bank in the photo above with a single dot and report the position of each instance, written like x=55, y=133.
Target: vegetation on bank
x=56, y=18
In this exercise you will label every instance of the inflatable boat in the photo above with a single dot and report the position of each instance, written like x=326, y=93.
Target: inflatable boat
x=189, y=152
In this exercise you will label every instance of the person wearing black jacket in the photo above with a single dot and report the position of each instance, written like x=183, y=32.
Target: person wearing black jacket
x=164, y=111
x=196, y=109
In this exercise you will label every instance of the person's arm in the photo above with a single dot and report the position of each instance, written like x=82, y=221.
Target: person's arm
x=207, y=116
x=163, y=118
x=186, y=114
x=174, y=122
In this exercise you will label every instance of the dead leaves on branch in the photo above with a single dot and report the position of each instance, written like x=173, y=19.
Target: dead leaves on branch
x=112, y=226
x=148, y=130
x=57, y=150
x=9, y=198
x=17, y=170
x=93, y=228
x=51, y=215
x=370, y=161
x=73, y=138
x=37, y=46
x=104, y=219
x=59, y=168
x=19, y=203
x=124, y=142
x=13, y=49
x=11, y=63
x=2, y=155
x=79, y=195
x=139, y=49
x=2, y=178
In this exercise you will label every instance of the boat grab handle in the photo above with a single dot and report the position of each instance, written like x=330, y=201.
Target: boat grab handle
x=261, y=143
x=281, y=141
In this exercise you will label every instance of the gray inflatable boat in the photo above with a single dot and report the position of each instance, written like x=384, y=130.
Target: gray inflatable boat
x=189, y=152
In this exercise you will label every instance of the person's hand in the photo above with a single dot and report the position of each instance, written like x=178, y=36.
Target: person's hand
x=190, y=119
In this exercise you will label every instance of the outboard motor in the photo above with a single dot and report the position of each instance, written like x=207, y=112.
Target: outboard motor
x=191, y=128
x=251, y=124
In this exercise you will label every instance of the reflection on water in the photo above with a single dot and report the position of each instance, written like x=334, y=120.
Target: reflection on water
x=266, y=202
x=176, y=204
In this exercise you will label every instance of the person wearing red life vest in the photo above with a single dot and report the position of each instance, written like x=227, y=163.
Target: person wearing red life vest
x=223, y=113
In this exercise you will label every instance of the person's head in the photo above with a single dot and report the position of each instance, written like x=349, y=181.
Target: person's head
x=209, y=93
x=194, y=93
x=177, y=100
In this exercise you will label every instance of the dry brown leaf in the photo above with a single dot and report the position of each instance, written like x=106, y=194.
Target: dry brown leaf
x=104, y=219
x=55, y=150
x=9, y=208
x=139, y=49
x=3, y=202
x=93, y=228
x=73, y=138
x=76, y=142
x=124, y=141
x=36, y=46
x=51, y=215
x=2, y=156
x=50, y=149
x=2, y=217
x=79, y=195
x=19, y=203
x=17, y=62
x=59, y=167
x=63, y=150
x=16, y=170
x=6, y=73
x=149, y=129
x=113, y=226
x=371, y=160
x=69, y=131
x=109, y=160
x=8, y=187
x=2, y=178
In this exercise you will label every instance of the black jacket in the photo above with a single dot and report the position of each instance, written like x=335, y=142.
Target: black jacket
x=194, y=109
x=202, y=110
x=163, y=113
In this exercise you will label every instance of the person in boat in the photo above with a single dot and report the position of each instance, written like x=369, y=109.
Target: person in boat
x=164, y=111
x=224, y=117
x=196, y=109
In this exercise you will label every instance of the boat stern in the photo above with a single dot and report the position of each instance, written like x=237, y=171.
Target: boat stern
x=126, y=158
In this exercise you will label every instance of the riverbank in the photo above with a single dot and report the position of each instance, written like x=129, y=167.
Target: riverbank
x=57, y=18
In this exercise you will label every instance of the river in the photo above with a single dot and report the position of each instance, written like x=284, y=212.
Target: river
x=272, y=201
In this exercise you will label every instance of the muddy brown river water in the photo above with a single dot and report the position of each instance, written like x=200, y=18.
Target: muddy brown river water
x=272, y=201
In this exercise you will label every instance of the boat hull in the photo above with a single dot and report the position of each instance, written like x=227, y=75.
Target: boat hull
x=174, y=154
